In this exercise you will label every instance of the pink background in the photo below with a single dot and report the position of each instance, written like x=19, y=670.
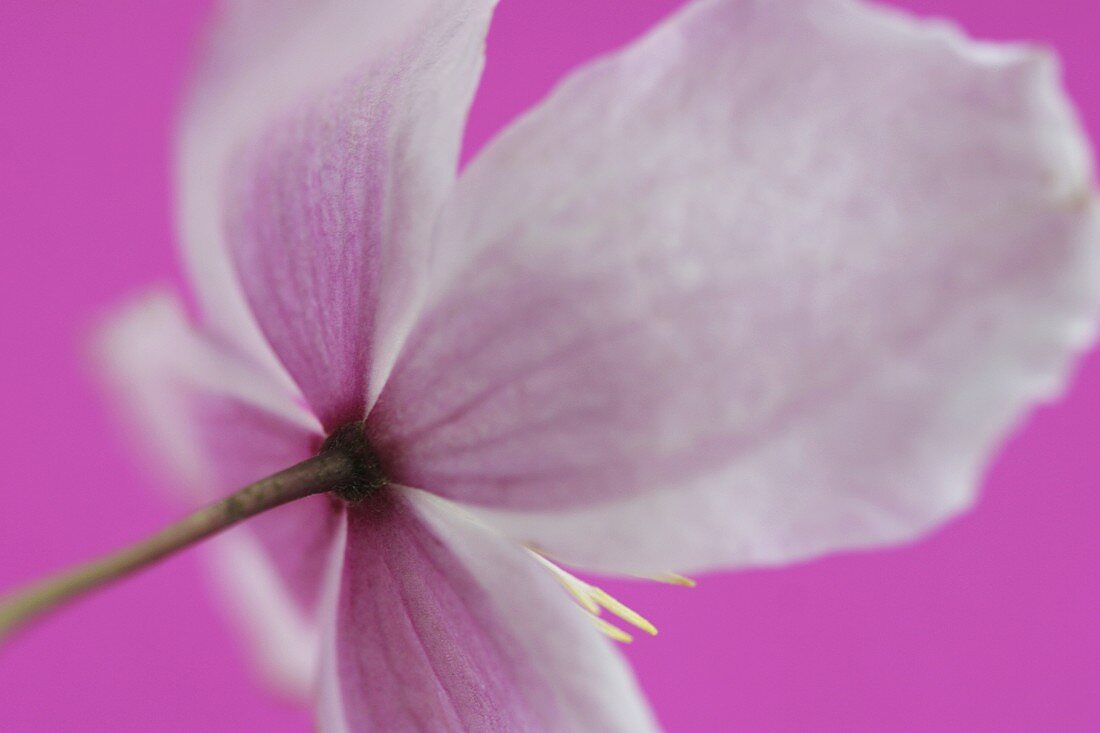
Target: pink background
x=993, y=624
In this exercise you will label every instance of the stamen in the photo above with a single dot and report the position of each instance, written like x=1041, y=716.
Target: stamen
x=594, y=600
x=624, y=612
x=576, y=587
x=611, y=630
x=673, y=579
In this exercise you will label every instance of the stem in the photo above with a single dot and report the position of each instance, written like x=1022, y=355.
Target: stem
x=319, y=474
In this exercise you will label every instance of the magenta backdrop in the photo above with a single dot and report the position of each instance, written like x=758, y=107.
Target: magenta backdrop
x=992, y=624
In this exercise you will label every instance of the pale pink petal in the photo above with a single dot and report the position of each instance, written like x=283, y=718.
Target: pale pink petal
x=782, y=272
x=217, y=423
x=442, y=625
x=315, y=150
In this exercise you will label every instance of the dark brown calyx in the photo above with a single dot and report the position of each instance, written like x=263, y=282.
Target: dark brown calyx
x=365, y=476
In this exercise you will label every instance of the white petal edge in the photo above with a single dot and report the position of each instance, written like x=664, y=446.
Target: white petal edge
x=159, y=368
x=933, y=407
x=263, y=65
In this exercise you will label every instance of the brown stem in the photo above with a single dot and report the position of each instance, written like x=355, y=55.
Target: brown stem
x=325, y=472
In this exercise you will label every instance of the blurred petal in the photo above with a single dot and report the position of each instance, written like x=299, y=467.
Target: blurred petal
x=218, y=423
x=443, y=625
x=318, y=143
x=781, y=274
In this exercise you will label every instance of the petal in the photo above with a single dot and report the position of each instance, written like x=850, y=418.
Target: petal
x=444, y=626
x=318, y=144
x=782, y=271
x=218, y=423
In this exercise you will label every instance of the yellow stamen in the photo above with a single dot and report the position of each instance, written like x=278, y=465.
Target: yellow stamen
x=581, y=596
x=613, y=631
x=621, y=610
x=674, y=579
x=594, y=600
x=576, y=587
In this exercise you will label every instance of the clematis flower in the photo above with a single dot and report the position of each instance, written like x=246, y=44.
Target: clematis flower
x=770, y=282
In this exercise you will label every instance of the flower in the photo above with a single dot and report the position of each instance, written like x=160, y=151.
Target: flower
x=771, y=282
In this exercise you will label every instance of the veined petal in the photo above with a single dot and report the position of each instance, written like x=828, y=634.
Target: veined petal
x=443, y=625
x=782, y=273
x=315, y=150
x=219, y=423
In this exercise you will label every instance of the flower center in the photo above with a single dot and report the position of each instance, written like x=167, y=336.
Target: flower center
x=366, y=476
